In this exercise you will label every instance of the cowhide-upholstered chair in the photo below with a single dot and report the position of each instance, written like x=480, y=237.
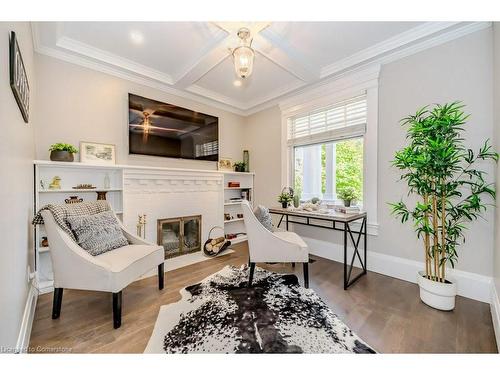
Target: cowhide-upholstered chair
x=266, y=246
x=112, y=271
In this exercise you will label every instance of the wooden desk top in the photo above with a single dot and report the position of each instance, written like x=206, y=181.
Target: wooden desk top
x=330, y=215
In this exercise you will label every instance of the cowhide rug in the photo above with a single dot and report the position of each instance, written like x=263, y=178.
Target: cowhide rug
x=276, y=315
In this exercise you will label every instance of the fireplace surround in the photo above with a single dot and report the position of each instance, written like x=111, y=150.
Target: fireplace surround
x=179, y=235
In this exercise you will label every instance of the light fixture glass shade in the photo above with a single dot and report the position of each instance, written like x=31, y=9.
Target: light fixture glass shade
x=243, y=61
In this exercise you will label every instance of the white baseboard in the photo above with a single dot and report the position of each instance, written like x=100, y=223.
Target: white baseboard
x=23, y=339
x=46, y=286
x=470, y=285
x=495, y=313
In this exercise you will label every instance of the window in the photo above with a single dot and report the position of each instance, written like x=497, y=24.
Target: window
x=322, y=170
x=327, y=150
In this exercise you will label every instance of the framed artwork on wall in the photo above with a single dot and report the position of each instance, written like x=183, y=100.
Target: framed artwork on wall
x=97, y=153
x=18, y=78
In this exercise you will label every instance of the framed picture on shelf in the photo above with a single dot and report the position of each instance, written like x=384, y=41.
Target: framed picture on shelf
x=18, y=77
x=225, y=164
x=97, y=153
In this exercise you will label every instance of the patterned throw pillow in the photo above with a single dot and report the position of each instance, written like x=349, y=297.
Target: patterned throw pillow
x=61, y=212
x=98, y=233
x=262, y=214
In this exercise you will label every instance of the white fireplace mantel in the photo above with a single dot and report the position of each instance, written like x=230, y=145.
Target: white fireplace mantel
x=154, y=181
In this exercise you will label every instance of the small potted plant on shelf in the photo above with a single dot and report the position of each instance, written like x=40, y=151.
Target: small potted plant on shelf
x=285, y=198
x=239, y=166
x=348, y=195
x=62, y=152
x=440, y=171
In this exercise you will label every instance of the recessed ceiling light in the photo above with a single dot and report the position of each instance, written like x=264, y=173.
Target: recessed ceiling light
x=237, y=82
x=136, y=37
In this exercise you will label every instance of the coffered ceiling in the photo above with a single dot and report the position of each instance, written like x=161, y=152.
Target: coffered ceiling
x=193, y=59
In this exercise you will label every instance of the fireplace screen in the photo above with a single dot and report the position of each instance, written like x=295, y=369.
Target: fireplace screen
x=180, y=235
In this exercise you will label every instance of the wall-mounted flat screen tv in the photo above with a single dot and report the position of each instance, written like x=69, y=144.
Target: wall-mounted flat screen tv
x=162, y=129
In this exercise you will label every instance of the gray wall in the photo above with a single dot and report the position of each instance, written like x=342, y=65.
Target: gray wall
x=458, y=70
x=79, y=104
x=16, y=196
x=496, y=97
x=262, y=136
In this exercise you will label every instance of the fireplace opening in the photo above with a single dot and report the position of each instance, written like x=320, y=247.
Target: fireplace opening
x=180, y=235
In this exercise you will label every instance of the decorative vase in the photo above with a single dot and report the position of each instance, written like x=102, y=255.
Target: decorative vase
x=441, y=296
x=246, y=160
x=296, y=201
x=101, y=195
x=347, y=203
x=284, y=204
x=62, y=156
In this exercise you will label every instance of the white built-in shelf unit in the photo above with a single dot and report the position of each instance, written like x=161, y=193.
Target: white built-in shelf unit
x=235, y=224
x=71, y=175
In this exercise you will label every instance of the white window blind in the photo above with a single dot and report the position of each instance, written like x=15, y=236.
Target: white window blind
x=345, y=119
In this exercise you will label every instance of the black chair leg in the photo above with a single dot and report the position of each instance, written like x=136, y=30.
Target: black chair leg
x=117, y=309
x=161, y=276
x=252, y=269
x=56, y=304
x=306, y=275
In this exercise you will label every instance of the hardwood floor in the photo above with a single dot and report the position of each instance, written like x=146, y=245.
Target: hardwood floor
x=385, y=312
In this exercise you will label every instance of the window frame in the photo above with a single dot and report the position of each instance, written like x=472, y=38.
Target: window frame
x=345, y=88
x=332, y=140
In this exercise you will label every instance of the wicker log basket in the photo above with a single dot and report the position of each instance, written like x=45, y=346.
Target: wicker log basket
x=215, y=245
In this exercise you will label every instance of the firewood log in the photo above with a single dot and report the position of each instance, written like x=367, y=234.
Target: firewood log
x=217, y=240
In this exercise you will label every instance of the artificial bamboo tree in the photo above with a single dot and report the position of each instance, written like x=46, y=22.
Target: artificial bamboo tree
x=441, y=172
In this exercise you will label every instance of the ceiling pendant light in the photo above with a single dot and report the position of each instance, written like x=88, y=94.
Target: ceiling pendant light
x=243, y=55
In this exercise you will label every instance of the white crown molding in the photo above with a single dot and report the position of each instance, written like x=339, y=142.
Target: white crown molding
x=386, y=46
x=280, y=91
x=238, y=104
x=413, y=41
x=99, y=55
x=435, y=40
x=215, y=96
x=321, y=94
x=139, y=79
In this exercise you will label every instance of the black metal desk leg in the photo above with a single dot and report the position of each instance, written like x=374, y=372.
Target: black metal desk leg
x=345, y=256
x=364, y=245
x=280, y=221
x=287, y=223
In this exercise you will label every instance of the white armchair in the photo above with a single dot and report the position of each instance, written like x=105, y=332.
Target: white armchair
x=266, y=246
x=75, y=268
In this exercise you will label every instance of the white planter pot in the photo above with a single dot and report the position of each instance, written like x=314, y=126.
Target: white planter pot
x=441, y=296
